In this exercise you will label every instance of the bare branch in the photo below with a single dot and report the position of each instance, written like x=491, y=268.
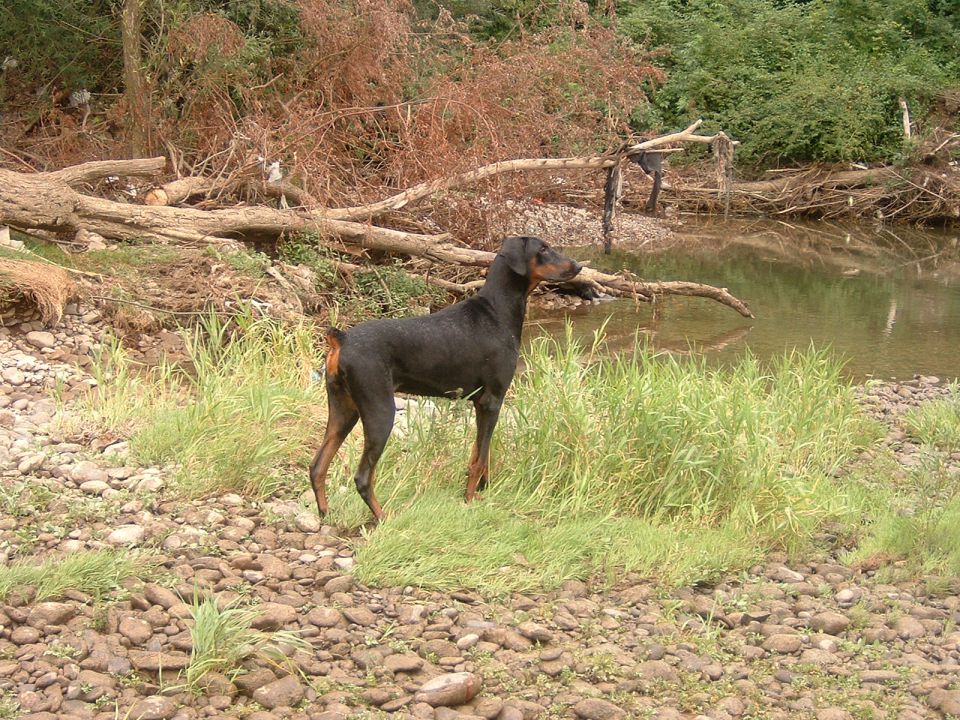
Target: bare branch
x=598, y=162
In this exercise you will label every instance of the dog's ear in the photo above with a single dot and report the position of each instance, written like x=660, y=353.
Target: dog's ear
x=514, y=251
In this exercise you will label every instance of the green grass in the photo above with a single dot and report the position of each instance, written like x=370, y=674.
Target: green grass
x=37, y=249
x=439, y=543
x=125, y=259
x=9, y=705
x=650, y=464
x=910, y=517
x=238, y=417
x=936, y=423
x=925, y=539
x=125, y=396
x=95, y=572
x=248, y=262
x=223, y=638
x=914, y=528
x=661, y=466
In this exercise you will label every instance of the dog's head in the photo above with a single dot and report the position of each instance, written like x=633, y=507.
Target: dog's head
x=533, y=259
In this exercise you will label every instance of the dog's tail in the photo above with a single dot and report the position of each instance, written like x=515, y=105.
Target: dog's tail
x=335, y=340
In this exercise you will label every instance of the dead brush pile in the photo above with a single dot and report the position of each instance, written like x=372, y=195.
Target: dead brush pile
x=914, y=194
x=42, y=285
x=925, y=190
x=375, y=103
x=366, y=100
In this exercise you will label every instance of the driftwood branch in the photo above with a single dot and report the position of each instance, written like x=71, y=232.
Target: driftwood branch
x=50, y=202
x=178, y=191
x=802, y=181
x=597, y=162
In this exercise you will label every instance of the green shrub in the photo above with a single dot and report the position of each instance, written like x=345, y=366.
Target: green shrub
x=75, y=42
x=304, y=249
x=376, y=290
x=799, y=82
x=276, y=20
x=495, y=19
x=392, y=292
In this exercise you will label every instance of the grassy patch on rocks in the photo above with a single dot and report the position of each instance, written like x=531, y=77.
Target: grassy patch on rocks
x=923, y=538
x=936, y=423
x=234, y=418
x=95, y=572
x=915, y=508
x=224, y=637
x=655, y=465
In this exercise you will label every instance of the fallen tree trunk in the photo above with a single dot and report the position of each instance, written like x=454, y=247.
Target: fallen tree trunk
x=179, y=190
x=597, y=162
x=50, y=202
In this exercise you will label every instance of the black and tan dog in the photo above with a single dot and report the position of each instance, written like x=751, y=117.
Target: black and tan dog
x=467, y=350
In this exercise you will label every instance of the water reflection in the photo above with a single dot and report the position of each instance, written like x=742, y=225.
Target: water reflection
x=887, y=300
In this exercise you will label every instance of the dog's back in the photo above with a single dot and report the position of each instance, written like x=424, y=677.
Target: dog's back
x=454, y=352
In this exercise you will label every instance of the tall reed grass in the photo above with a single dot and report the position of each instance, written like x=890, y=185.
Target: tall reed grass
x=647, y=463
x=237, y=416
x=651, y=463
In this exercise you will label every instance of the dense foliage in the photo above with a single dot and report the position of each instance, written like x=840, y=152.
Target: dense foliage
x=77, y=43
x=802, y=81
x=389, y=92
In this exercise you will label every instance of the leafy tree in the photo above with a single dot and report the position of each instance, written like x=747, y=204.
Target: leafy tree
x=76, y=43
x=802, y=81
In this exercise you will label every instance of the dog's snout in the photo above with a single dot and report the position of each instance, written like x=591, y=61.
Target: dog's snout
x=575, y=267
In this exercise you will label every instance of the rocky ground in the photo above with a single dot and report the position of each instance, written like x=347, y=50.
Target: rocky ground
x=818, y=640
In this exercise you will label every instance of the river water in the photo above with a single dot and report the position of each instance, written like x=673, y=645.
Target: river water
x=885, y=299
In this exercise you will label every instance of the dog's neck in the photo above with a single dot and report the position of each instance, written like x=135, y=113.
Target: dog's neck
x=507, y=292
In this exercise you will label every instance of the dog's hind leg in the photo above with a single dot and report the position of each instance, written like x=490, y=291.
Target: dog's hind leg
x=342, y=415
x=377, y=411
x=488, y=412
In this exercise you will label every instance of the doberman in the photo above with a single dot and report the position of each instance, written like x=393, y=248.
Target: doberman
x=466, y=350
